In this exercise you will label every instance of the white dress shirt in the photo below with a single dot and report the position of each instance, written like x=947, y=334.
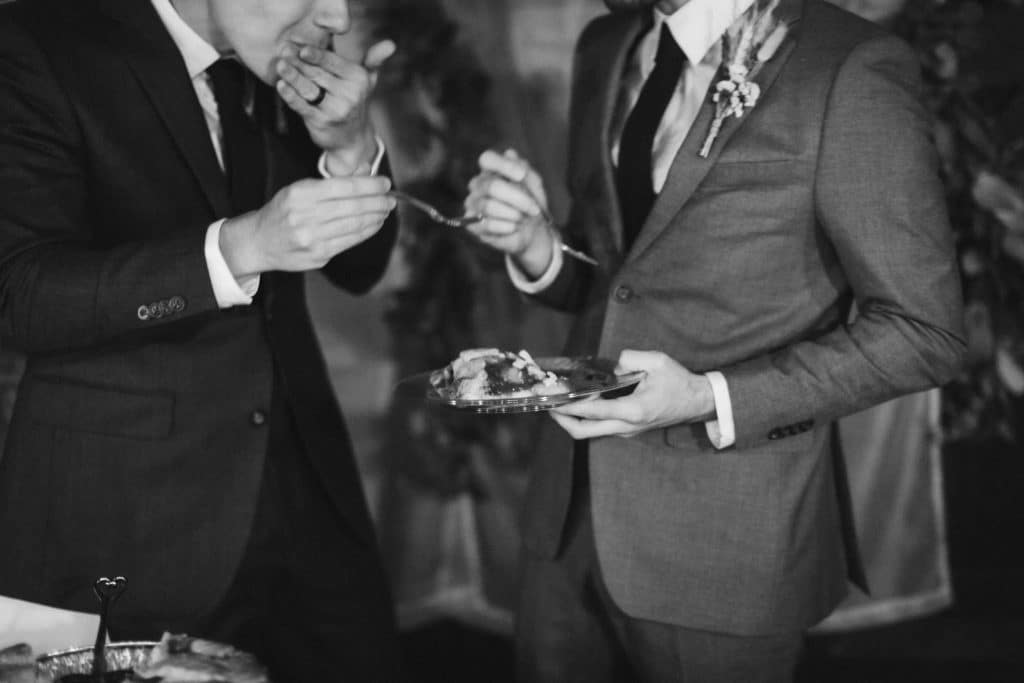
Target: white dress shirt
x=698, y=28
x=199, y=56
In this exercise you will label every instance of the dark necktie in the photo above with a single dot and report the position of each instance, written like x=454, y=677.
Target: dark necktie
x=633, y=176
x=242, y=146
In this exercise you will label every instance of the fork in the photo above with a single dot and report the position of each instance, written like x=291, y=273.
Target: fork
x=470, y=219
x=435, y=215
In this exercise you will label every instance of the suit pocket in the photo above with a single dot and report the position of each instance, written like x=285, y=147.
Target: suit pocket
x=97, y=409
x=757, y=174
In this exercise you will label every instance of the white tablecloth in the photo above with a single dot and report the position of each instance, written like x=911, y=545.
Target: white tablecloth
x=44, y=628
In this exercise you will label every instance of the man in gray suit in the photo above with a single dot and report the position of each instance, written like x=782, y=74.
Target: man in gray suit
x=731, y=256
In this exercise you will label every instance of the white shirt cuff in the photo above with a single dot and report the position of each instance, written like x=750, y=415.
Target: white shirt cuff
x=721, y=431
x=321, y=165
x=527, y=286
x=228, y=290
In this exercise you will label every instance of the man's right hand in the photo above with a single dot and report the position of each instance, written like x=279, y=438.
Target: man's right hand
x=306, y=224
x=510, y=196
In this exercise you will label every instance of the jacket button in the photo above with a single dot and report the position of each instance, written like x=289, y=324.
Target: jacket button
x=258, y=418
x=775, y=434
x=143, y=312
x=177, y=304
x=623, y=293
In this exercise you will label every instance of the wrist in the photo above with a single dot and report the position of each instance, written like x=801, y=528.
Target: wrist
x=704, y=396
x=354, y=157
x=238, y=246
x=535, y=259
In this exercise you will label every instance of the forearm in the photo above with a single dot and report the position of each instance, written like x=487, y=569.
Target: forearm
x=882, y=355
x=64, y=296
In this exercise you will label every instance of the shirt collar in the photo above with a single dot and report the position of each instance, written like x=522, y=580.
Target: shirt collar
x=699, y=24
x=199, y=55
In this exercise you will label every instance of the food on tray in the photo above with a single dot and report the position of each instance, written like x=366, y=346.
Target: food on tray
x=479, y=374
x=181, y=659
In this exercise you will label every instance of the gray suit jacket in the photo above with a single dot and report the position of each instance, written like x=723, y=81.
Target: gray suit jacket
x=824, y=195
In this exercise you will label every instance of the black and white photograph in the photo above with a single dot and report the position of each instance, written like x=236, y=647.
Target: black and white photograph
x=511, y=341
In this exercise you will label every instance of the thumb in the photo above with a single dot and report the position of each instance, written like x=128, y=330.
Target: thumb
x=378, y=54
x=630, y=360
x=531, y=179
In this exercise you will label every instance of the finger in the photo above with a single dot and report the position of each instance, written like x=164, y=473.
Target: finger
x=481, y=204
x=589, y=429
x=314, y=74
x=378, y=54
x=625, y=409
x=493, y=227
x=630, y=360
x=345, y=187
x=532, y=180
x=313, y=191
x=326, y=245
x=344, y=234
x=493, y=208
x=332, y=210
x=300, y=83
x=332, y=62
x=512, y=194
x=295, y=101
x=509, y=168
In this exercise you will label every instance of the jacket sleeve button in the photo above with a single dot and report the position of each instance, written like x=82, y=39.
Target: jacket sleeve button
x=623, y=293
x=143, y=312
x=177, y=304
x=258, y=418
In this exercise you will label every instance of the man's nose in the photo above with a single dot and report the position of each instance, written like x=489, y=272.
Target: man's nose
x=333, y=16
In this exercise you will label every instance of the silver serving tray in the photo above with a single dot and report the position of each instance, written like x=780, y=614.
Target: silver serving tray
x=124, y=655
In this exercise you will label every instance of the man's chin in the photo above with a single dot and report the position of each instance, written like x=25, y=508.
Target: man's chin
x=626, y=5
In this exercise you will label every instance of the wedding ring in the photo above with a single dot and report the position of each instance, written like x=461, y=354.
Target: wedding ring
x=320, y=95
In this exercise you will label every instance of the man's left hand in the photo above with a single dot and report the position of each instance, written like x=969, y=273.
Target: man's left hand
x=339, y=123
x=669, y=394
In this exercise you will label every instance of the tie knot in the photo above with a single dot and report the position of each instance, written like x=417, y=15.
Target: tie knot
x=669, y=53
x=227, y=73
x=234, y=87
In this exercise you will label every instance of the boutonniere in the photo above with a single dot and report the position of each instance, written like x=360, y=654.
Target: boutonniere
x=746, y=47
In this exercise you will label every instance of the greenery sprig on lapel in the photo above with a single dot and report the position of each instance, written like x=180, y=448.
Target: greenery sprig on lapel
x=750, y=43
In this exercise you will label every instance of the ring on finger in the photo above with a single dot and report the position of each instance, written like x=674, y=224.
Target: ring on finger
x=321, y=93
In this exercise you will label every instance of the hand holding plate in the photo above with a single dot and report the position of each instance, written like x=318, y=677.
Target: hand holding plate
x=669, y=394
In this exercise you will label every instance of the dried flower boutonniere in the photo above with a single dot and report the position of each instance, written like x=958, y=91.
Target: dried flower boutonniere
x=746, y=47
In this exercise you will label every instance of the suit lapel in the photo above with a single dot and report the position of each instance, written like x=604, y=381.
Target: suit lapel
x=689, y=168
x=160, y=69
x=601, y=69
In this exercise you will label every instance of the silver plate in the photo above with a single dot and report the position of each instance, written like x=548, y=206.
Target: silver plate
x=585, y=377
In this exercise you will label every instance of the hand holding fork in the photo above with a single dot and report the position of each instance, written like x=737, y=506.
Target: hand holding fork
x=509, y=196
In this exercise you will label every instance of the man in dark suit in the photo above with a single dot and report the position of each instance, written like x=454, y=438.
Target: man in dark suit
x=167, y=172
x=730, y=258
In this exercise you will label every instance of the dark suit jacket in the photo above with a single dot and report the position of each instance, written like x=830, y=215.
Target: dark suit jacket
x=140, y=428
x=823, y=195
